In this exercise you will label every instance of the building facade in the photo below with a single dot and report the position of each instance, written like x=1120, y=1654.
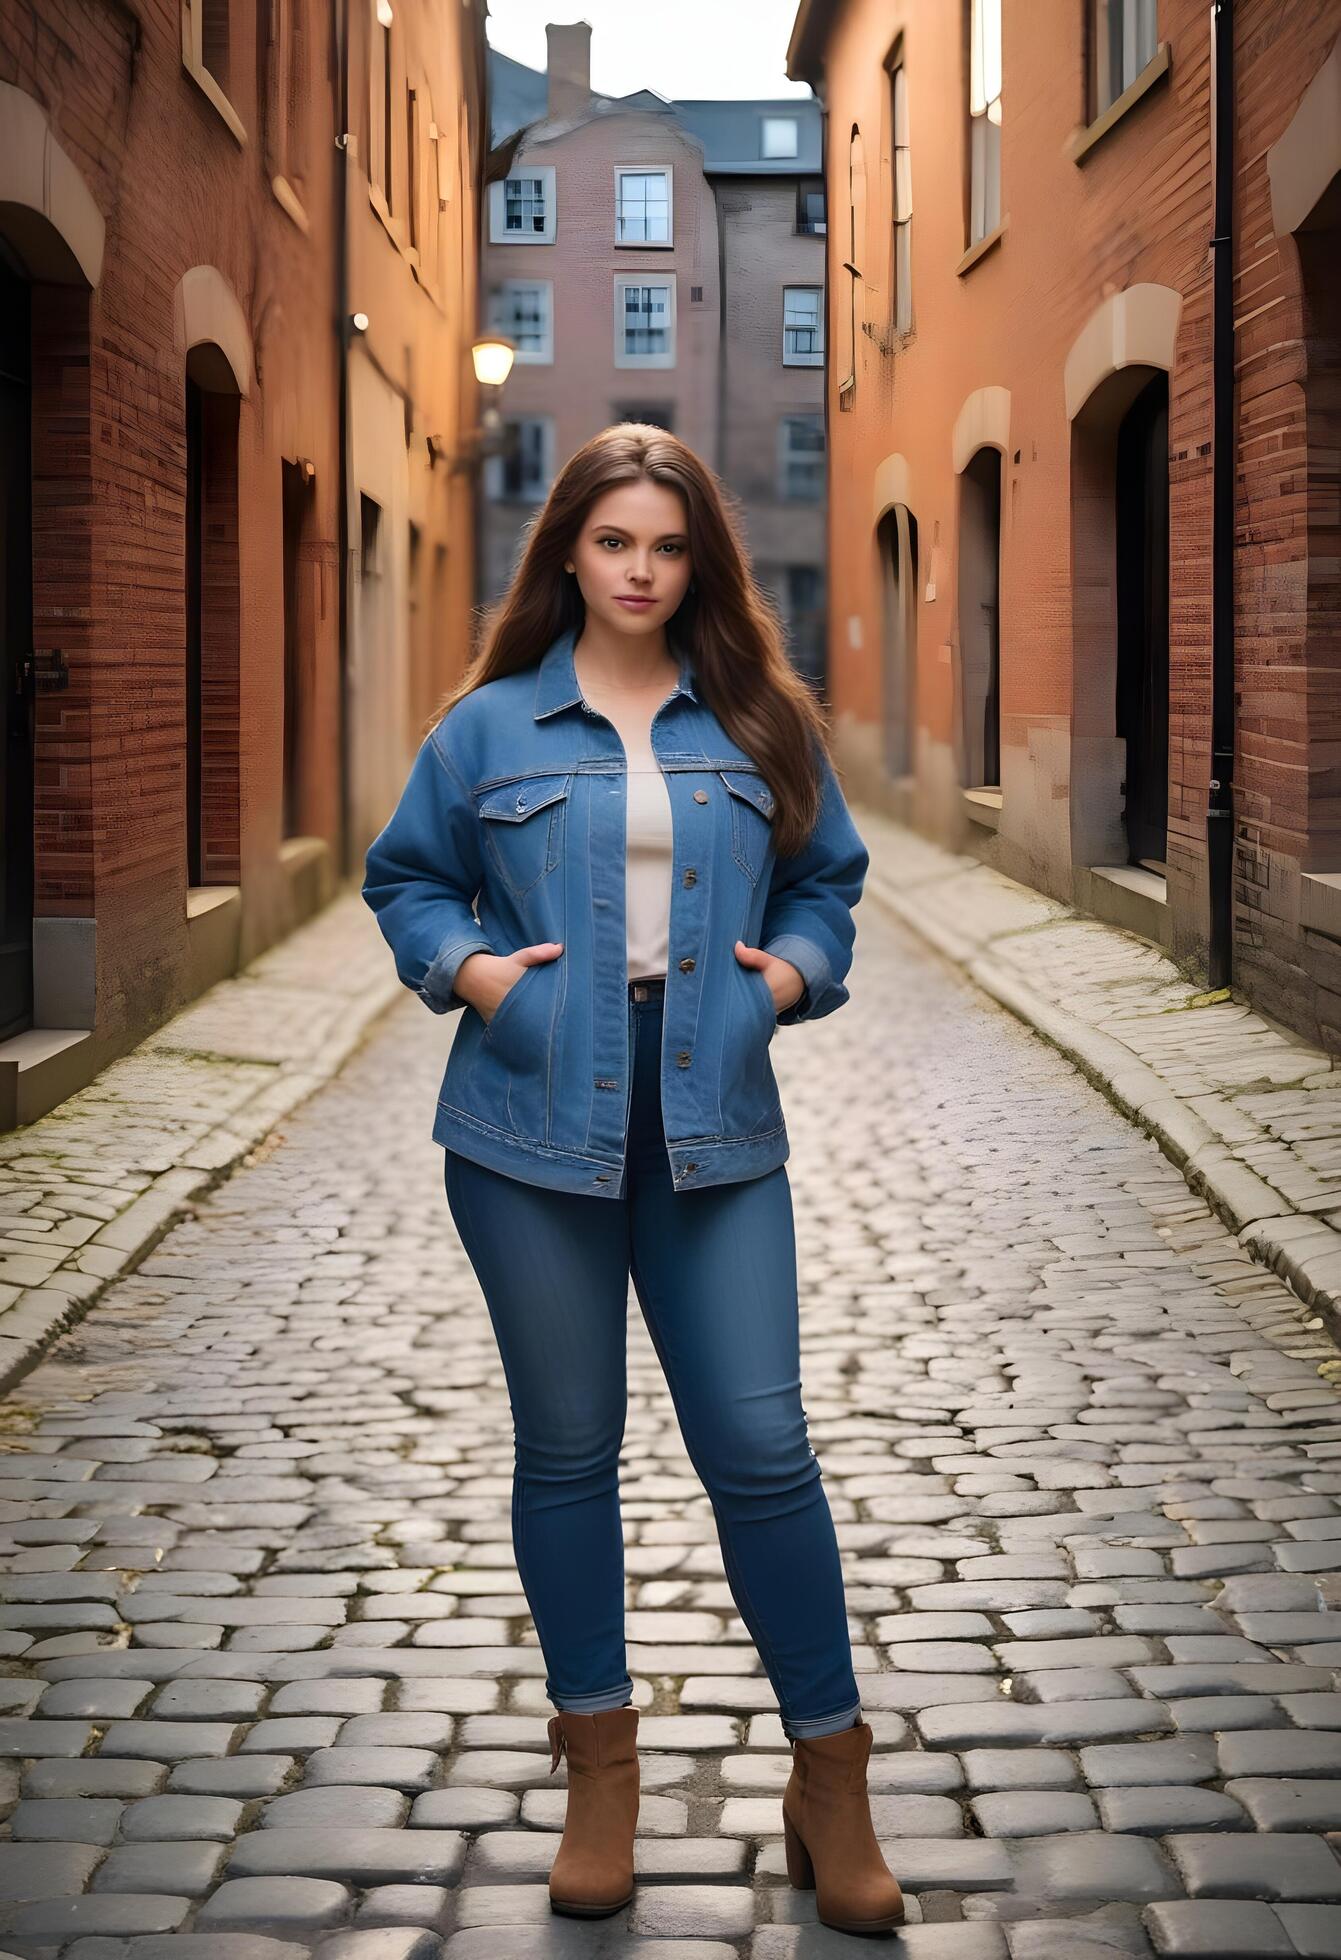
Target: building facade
x=661, y=261
x=1020, y=303
x=417, y=119
x=181, y=622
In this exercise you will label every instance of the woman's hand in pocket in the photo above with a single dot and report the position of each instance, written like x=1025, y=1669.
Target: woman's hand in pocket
x=483, y=980
x=786, y=983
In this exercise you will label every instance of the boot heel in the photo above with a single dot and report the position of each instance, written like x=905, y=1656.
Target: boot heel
x=800, y=1870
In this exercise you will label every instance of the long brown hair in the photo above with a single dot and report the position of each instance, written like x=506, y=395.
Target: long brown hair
x=731, y=630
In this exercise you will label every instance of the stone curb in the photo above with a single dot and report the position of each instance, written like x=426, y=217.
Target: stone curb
x=1302, y=1249
x=42, y=1313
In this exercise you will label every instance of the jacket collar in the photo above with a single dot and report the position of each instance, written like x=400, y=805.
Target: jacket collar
x=557, y=684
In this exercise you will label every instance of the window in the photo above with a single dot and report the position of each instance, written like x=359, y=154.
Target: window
x=214, y=39
x=852, y=299
x=523, y=309
x=810, y=214
x=523, y=471
x=644, y=322
x=777, y=136
x=207, y=55
x=984, y=118
x=802, y=327
x=642, y=207
x=801, y=458
x=388, y=120
x=282, y=99
x=1122, y=39
x=412, y=167
x=521, y=208
x=798, y=591
x=661, y=415
x=902, y=203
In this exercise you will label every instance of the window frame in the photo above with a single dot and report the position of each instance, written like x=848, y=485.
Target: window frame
x=811, y=187
x=777, y=122
x=816, y=358
x=1097, y=16
x=789, y=457
x=666, y=170
x=498, y=232
x=622, y=358
x=503, y=321
x=495, y=465
x=193, y=61
x=901, y=196
x=983, y=130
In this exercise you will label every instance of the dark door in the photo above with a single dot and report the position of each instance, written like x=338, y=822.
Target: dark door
x=16, y=656
x=194, y=624
x=297, y=500
x=1143, y=620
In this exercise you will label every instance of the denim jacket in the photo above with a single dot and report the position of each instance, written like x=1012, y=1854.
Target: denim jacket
x=510, y=830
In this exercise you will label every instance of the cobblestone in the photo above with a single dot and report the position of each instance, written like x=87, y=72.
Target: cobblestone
x=284, y=1698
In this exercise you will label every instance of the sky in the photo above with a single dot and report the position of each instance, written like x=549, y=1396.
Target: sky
x=695, y=48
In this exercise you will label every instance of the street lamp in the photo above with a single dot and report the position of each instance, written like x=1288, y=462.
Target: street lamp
x=492, y=355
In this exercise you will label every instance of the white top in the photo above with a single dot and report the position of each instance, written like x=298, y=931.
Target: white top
x=648, y=842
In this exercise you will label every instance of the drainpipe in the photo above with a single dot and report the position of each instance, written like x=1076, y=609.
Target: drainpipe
x=1220, y=811
x=343, y=140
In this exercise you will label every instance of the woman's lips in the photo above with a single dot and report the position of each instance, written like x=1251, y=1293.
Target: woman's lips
x=627, y=599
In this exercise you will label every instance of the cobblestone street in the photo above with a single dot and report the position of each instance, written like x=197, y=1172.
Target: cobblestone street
x=272, y=1688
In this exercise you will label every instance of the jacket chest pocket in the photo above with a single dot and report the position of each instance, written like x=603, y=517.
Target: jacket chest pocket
x=523, y=826
x=752, y=810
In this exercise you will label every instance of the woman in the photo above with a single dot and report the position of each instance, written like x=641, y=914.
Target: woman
x=631, y=786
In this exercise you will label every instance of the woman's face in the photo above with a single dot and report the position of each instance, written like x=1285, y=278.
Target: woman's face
x=631, y=556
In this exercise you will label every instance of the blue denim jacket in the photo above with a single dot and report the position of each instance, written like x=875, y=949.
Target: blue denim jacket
x=515, y=810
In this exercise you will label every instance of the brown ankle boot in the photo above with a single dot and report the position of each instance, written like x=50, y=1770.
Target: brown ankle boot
x=829, y=1838
x=592, y=1873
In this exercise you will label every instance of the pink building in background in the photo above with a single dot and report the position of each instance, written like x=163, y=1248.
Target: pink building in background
x=661, y=262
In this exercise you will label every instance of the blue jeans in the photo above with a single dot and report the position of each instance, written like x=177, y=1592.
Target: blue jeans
x=715, y=1275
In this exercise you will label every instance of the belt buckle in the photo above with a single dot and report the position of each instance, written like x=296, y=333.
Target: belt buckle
x=641, y=990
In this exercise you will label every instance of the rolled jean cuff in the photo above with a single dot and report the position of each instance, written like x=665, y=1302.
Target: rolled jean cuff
x=822, y=1724
x=593, y=1704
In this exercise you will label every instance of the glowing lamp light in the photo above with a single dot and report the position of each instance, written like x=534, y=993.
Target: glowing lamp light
x=492, y=355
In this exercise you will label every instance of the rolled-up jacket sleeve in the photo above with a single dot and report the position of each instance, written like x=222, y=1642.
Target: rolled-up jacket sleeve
x=422, y=873
x=808, y=916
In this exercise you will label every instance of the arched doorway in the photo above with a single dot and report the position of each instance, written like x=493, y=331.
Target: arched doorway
x=1117, y=397
x=980, y=617
x=896, y=539
x=52, y=236
x=216, y=350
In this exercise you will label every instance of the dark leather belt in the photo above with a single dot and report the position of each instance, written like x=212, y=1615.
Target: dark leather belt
x=647, y=989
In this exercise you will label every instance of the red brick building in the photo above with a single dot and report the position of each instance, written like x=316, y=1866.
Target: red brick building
x=1022, y=523
x=180, y=245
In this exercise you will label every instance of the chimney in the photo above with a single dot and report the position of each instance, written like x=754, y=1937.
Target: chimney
x=568, y=67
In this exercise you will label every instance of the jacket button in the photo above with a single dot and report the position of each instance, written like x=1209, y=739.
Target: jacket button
x=683, y=1058
x=686, y=966
x=690, y=876
x=700, y=796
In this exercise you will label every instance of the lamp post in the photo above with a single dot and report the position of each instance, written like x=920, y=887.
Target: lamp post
x=492, y=355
